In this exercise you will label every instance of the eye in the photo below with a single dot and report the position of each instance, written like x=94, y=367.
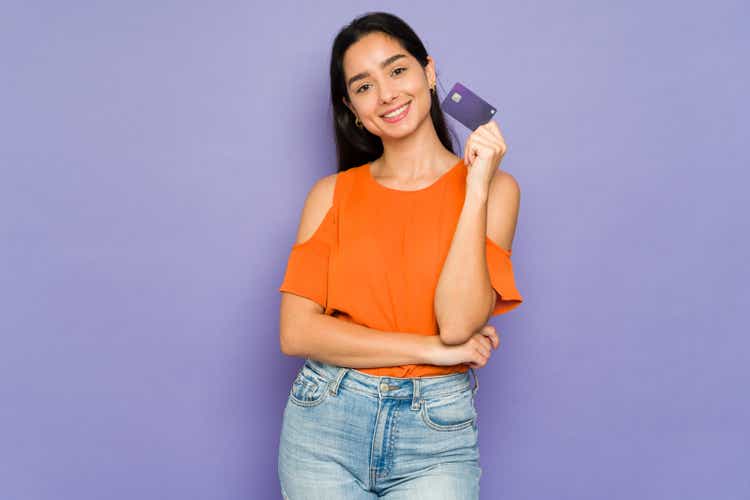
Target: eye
x=358, y=91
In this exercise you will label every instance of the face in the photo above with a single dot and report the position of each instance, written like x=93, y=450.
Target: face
x=381, y=76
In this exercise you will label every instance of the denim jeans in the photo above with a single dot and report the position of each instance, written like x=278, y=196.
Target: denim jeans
x=350, y=435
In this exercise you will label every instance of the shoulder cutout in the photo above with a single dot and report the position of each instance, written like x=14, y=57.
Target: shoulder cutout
x=502, y=209
x=318, y=203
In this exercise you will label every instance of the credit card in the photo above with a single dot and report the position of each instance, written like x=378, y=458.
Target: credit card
x=467, y=107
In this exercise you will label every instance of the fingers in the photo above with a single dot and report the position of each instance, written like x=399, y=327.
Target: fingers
x=483, y=348
x=487, y=135
x=482, y=356
x=482, y=343
x=485, y=340
x=489, y=332
x=491, y=130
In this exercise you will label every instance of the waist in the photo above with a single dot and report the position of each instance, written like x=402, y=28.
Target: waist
x=413, y=371
x=395, y=387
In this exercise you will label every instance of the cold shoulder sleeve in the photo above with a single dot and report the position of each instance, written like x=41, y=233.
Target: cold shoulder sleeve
x=501, y=276
x=308, y=263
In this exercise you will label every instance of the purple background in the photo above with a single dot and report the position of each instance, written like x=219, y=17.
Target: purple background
x=155, y=157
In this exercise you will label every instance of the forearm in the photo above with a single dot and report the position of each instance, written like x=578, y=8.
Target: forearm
x=464, y=296
x=343, y=343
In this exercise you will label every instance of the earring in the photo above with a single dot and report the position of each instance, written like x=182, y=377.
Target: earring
x=358, y=123
x=433, y=89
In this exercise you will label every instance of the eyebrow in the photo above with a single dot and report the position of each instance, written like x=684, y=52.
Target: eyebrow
x=364, y=74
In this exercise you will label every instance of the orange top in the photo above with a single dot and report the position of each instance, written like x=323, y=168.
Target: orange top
x=376, y=257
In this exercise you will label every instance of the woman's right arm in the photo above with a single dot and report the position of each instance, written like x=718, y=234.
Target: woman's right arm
x=307, y=332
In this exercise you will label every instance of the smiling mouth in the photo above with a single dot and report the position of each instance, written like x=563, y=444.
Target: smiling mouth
x=398, y=111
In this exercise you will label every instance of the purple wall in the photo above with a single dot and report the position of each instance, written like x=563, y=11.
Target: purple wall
x=154, y=159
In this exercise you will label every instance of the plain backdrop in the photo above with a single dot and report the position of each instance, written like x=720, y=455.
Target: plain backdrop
x=154, y=160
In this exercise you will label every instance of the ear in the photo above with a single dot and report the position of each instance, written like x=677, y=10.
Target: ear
x=430, y=72
x=343, y=99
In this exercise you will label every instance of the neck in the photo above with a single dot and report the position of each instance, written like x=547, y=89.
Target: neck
x=416, y=156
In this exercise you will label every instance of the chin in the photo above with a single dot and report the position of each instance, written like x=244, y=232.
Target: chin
x=403, y=131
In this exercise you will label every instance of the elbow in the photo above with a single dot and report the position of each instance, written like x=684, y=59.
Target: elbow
x=452, y=340
x=450, y=332
x=286, y=349
x=288, y=342
x=296, y=318
x=460, y=329
x=286, y=345
x=453, y=335
x=291, y=349
x=458, y=333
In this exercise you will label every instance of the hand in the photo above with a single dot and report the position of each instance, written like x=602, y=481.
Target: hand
x=483, y=152
x=475, y=352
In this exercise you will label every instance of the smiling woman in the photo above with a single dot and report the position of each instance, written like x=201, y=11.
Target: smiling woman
x=383, y=405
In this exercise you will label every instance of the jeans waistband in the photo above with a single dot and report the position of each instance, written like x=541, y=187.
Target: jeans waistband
x=393, y=387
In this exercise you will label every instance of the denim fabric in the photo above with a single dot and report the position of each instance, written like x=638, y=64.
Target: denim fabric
x=350, y=435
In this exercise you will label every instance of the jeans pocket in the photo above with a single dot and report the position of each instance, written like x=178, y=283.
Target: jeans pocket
x=309, y=388
x=449, y=412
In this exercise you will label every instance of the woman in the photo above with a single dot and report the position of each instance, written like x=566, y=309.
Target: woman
x=401, y=258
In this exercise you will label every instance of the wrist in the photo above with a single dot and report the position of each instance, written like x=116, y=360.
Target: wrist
x=477, y=192
x=431, y=346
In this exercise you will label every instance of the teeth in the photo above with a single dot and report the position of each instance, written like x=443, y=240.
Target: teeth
x=396, y=112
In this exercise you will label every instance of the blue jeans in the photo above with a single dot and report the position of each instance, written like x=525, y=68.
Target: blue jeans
x=350, y=435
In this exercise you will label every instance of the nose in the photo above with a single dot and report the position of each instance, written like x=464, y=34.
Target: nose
x=387, y=94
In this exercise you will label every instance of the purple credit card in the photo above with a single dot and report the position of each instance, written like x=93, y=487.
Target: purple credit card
x=467, y=107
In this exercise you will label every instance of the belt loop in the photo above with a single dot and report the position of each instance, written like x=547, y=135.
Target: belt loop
x=333, y=388
x=476, y=382
x=416, y=400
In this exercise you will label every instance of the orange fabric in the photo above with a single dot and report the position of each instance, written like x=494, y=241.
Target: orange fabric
x=376, y=257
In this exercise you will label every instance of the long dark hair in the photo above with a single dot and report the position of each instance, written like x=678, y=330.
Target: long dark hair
x=356, y=146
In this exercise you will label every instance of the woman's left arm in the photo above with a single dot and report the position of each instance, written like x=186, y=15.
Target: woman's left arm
x=464, y=297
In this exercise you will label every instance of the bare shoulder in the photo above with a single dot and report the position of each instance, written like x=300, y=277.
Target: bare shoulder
x=504, y=183
x=503, y=203
x=319, y=200
x=504, y=192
